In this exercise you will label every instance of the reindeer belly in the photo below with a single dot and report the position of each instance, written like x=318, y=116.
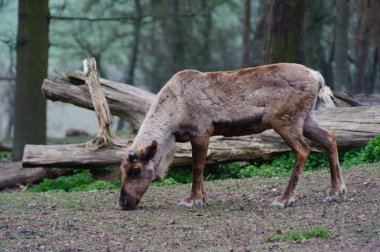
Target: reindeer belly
x=248, y=125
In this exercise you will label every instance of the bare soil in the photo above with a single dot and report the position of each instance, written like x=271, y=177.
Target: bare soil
x=237, y=218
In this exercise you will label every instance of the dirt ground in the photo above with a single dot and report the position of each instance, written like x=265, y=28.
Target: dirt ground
x=237, y=218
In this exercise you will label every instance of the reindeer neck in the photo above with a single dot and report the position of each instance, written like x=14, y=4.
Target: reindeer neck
x=161, y=131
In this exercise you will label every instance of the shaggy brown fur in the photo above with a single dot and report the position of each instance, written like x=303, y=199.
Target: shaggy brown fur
x=193, y=106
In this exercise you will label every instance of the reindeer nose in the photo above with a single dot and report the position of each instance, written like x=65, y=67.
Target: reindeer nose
x=128, y=204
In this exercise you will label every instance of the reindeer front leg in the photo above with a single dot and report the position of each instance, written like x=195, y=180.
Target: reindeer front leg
x=197, y=196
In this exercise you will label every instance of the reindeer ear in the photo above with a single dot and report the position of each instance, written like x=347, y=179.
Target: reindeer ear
x=151, y=150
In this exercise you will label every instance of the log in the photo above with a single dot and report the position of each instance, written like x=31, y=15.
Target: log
x=125, y=101
x=354, y=126
x=105, y=136
x=12, y=174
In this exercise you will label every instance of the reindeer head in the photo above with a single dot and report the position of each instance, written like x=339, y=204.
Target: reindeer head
x=137, y=172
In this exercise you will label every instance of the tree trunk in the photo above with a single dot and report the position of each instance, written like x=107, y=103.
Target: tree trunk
x=373, y=74
x=285, y=24
x=176, y=37
x=135, y=51
x=136, y=43
x=317, y=19
x=245, y=33
x=32, y=60
x=204, y=55
x=362, y=49
x=259, y=34
x=12, y=174
x=341, y=71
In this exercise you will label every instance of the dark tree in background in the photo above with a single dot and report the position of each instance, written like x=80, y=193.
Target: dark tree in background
x=259, y=33
x=32, y=61
x=362, y=46
x=366, y=46
x=318, y=40
x=342, y=73
x=285, y=26
x=177, y=41
x=245, y=33
x=205, y=30
x=136, y=42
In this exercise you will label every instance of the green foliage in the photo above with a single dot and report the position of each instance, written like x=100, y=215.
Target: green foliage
x=282, y=165
x=166, y=181
x=369, y=154
x=82, y=181
x=5, y=155
x=317, y=232
x=286, y=162
x=97, y=185
x=177, y=175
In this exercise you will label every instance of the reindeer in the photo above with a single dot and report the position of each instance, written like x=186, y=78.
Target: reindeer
x=193, y=106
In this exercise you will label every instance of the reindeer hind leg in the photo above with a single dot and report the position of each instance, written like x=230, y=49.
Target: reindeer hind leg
x=327, y=140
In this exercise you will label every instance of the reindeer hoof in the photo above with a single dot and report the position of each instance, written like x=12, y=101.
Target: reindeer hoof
x=184, y=204
x=198, y=203
x=281, y=204
x=331, y=199
x=277, y=205
x=192, y=203
x=334, y=194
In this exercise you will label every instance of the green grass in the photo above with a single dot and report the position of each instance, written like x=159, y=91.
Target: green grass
x=82, y=181
x=5, y=155
x=318, y=232
x=369, y=154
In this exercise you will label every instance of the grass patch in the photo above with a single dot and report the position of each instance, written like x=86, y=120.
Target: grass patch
x=5, y=155
x=82, y=181
x=318, y=232
x=369, y=154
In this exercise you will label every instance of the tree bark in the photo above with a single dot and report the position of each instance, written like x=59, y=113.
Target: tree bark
x=374, y=70
x=341, y=71
x=125, y=101
x=285, y=24
x=258, y=42
x=362, y=49
x=353, y=126
x=105, y=135
x=135, y=43
x=12, y=174
x=204, y=55
x=246, y=33
x=316, y=20
x=32, y=60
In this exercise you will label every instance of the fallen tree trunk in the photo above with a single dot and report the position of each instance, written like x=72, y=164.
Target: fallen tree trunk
x=12, y=174
x=125, y=101
x=354, y=126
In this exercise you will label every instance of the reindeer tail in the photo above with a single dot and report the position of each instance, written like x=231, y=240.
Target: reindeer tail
x=325, y=95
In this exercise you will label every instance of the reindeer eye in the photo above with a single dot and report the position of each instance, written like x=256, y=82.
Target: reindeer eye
x=135, y=172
